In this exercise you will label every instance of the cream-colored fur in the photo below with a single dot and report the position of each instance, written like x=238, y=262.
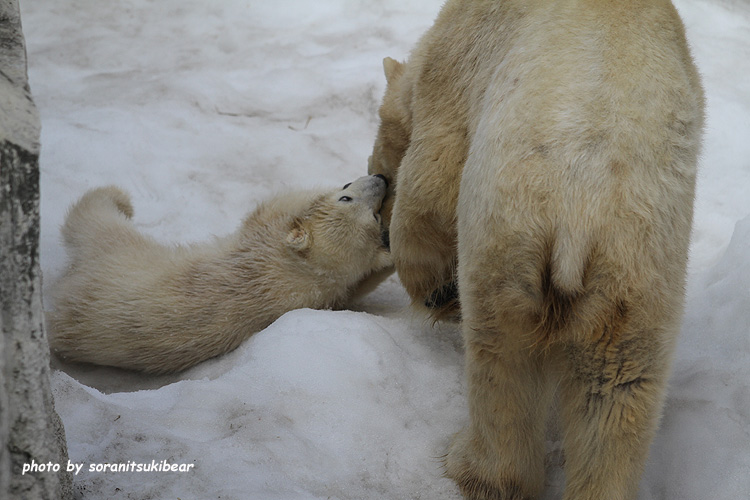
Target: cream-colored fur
x=543, y=153
x=131, y=302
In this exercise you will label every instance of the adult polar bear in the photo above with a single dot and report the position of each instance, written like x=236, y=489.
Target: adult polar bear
x=554, y=144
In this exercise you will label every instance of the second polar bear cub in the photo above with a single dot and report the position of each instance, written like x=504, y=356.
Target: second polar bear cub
x=131, y=302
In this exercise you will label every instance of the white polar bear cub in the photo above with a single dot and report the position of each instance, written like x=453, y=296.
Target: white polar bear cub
x=128, y=301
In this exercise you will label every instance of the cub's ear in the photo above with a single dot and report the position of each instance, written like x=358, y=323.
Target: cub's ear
x=298, y=238
x=392, y=69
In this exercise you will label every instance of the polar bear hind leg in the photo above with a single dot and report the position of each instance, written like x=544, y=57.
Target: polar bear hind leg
x=92, y=222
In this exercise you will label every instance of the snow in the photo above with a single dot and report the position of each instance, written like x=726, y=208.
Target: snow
x=200, y=109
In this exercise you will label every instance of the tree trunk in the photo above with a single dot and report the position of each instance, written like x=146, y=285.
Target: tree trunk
x=30, y=430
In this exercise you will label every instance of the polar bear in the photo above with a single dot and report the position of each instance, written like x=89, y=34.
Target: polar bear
x=542, y=160
x=131, y=302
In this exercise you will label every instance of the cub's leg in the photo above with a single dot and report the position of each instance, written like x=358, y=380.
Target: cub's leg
x=423, y=224
x=383, y=268
x=500, y=456
x=611, y=398
x=98, y=223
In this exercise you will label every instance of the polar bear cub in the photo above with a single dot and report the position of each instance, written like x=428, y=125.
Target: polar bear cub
x=128, y=301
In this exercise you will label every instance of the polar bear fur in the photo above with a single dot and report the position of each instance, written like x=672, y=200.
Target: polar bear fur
x=131, y=302
x=542, y=154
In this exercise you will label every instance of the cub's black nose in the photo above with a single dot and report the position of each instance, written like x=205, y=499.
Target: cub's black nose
x=382, y=177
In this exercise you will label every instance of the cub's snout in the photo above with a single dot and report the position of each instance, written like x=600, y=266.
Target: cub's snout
x=369, y=191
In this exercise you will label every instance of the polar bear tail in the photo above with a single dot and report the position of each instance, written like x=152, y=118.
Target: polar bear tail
x=568, y=260
x=92, y=219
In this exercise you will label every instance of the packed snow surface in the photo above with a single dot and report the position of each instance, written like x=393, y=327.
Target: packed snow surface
x=200, y=109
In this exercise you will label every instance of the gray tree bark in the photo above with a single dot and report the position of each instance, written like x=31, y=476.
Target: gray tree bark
x=30, y=430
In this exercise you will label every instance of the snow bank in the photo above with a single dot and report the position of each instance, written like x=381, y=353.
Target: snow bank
x=321, y=404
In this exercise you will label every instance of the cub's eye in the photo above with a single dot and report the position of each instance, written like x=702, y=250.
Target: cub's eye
x=345, y=198
x=346, y=186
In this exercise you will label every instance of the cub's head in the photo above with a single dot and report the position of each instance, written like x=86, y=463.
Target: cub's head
x=394, y=133
x=342, y=229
